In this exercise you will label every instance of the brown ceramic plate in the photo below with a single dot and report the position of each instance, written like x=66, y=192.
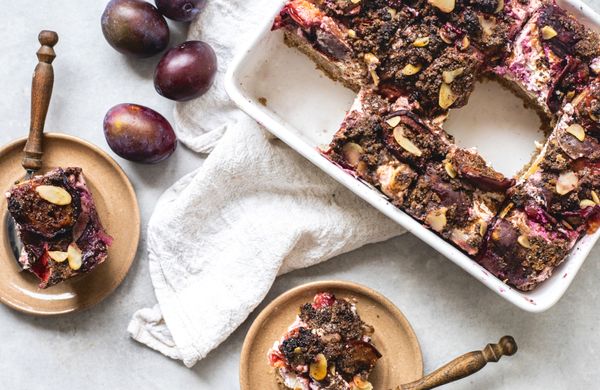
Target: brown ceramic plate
x=394, y=338
x=118, y=210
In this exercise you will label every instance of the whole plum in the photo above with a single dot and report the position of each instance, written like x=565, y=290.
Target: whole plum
x=180, y=10
x=186, y=71
x=139, y=134
x=135, y=27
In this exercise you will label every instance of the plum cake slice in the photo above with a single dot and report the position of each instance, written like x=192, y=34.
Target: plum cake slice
x=58, y=225
x=328, y=346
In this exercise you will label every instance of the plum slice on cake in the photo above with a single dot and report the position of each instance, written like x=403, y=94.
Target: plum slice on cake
x=328, y=346
x=58, y=224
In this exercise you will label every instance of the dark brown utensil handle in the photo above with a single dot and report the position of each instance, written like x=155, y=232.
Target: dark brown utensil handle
x=465, y=365
x=41, y=91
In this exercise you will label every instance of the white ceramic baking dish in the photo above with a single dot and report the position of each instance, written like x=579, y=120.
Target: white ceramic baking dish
x=281, y=89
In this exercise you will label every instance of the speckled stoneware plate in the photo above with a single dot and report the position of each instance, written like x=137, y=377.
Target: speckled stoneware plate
x=118, y=210
x=394, y=338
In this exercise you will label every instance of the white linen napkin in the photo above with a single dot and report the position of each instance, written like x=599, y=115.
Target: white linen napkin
x=255, y=209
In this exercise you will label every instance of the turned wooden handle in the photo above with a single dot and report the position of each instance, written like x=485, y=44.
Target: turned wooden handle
x=465, y=365
x=41, y=91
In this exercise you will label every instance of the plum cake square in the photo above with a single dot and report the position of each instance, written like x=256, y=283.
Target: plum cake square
x=58, y=225
x=328, y=346
x=411, y=63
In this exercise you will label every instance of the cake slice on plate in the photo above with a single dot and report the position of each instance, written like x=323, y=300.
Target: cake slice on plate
x=328, y=347
x=58, y=225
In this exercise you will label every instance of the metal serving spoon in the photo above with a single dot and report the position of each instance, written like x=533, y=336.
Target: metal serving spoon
x=41, y=91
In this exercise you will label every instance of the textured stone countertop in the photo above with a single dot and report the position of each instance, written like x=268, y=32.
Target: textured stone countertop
x=450, y=311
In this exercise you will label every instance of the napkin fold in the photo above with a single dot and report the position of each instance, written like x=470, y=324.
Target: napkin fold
x=256, y=209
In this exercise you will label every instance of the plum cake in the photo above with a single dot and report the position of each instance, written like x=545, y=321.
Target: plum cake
x=328, y=346
x=58, y=225
x=411, y=61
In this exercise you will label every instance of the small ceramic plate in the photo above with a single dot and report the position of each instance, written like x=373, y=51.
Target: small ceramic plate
x=401, y=360
x=118, y=210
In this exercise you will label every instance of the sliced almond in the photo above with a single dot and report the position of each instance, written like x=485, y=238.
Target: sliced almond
x=318, y=369
x=548, y=33
x=74, y=255
x=392, y=12
x=567, y=182
x=444, y=36
x=504, y=212
x=445, y=6
x=405, y=143
x=500, y=7
x=393, y=121
x=58, y=256
x=587, y=203
x=487, y=25
x=355, y=1
x=575, y=102
x=576, y=131
x=361, y=384
x=449, y=75
x=595, y=197
x=352, y=153
x=437, y=219
x=411, y=69
x=351, y=33
x=447, y=97
x=372, y=62
x=483, y=228
x=465, y=43
x=523, y=240
x=421, y=42
x=55, y=195
x=450, y=169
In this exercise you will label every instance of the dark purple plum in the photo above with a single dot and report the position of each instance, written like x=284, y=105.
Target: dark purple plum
x=186, y=71
x=135, y=27
x=139, y=134
x=180, y=10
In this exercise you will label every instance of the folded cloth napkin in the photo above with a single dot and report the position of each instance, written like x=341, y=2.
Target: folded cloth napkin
x=254, y=210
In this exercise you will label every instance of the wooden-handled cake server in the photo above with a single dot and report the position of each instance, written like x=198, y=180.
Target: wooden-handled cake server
x=464, y=365
x=41, y=92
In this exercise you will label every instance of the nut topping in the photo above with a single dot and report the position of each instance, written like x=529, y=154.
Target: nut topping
x=567, y=182
x=447, y=97
x=449, y=75
x=318, y=369
x=393, y=121
x=523, y=240
x=576, y=131
x=74, y=255
x=352, y=153
x=55, y=195
x=450, y=169
x=587, y=203
x=595, y=197
x=465, y=43
x=372, y=62
x=58, y=256
x=421, y=42
x=445, y=6
x=548, y=33
x=500, y=7
x=405, y=143
x=410, y=69
x=437, y=219
x=351, y=33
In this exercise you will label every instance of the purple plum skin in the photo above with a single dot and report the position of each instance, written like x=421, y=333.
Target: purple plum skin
x=180, y=10
x=139, y=134
x=186, y=72
x=135, y=28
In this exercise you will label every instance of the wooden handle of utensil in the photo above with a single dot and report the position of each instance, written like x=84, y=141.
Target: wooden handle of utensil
x=465, y=365
x=41, y=91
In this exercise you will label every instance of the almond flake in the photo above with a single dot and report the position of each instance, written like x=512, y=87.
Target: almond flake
x=506, y=210
x=437, y=219
x=74, y=255
x=595, y=197
x=548, y=33
x=500, y=7
x=55, y=195
x=567, y=182
x=447, y=97
x=450, y=169
x=351, y=33
x=352, y=153
x=465, y=43
x=523, y=240
x=421, y=42
x=410, y=69
x=445, y=6
x=449, y=75
x=587, y=203
x=58, y=256
x=576, y=131
x=405, y=143
x=393, y=121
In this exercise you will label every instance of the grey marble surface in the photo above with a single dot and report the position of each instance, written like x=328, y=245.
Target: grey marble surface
x=450, y=311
